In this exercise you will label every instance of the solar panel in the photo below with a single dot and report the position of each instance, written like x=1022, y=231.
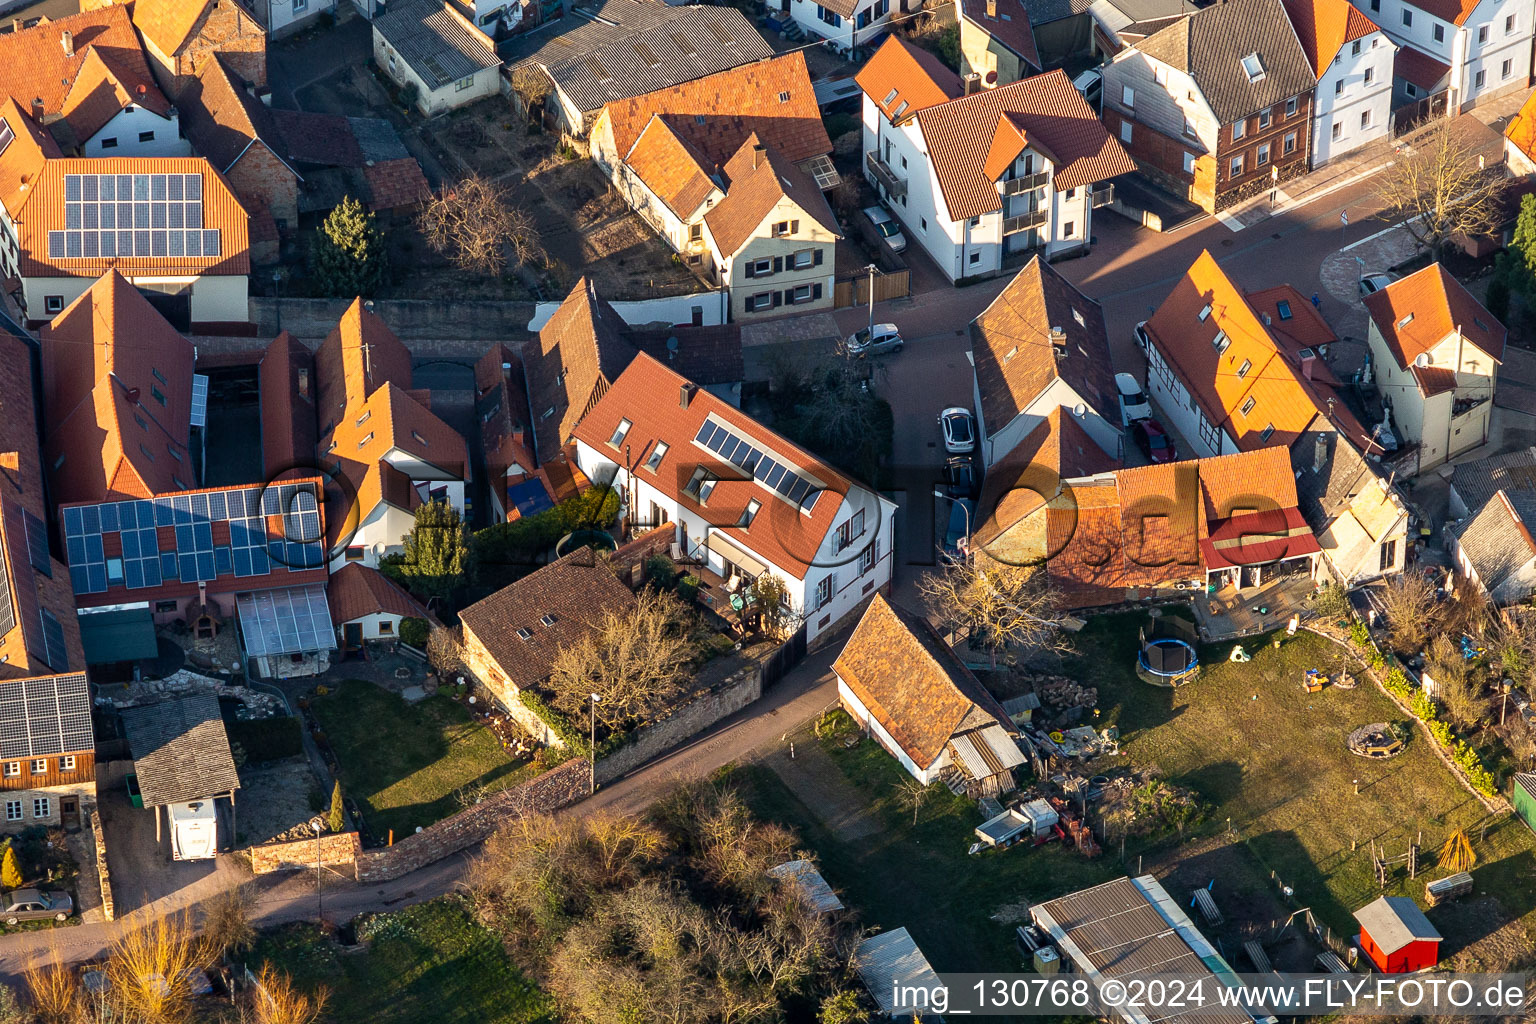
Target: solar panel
x=199, y=400
x=37, y=543
x=7, y=609
x=45, y=715
x=128, y=215
x=766, y=469
x=56, y=653
x=293, y=620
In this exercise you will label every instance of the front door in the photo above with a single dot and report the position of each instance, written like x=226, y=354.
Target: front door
x=352, y=636
x=69, y=811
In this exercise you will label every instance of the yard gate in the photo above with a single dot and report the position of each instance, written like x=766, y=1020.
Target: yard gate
x=854, y=291
x=785, y=657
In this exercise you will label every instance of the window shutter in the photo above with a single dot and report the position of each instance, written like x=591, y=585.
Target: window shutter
x=778, y=264
x=751, y=269
x=778, y=298
x=794, y=227
x=816, y=260
x=815, y=291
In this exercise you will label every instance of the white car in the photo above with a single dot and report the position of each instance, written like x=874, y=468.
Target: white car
x=1371, y=283
x=1091, y=84
x=959, y=429
x=1133, y=404
x=887, y=228
x=874, y=341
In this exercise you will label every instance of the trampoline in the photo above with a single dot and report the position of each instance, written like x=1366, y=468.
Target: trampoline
x=1167, y=660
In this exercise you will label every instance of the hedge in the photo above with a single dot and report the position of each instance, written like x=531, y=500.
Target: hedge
x=1422, y=706
x=414, y=631
x=558, y=724
x=519, y=541
x=266, y=739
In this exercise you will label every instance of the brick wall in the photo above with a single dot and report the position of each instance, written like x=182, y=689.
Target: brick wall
x=728, y=697
x=1161, y=159
x=230, y=31
x=336, y=850
x=549, y=792
x=408, y=318
x=260, y=175
x=632, y=555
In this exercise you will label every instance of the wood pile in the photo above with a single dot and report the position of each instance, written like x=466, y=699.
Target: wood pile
x=1061, y=692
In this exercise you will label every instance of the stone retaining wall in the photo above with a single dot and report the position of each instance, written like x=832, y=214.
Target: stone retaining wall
x=336, y=850
x=409, y=318
x=543, y=794
x=728, y=697
x=108, y=908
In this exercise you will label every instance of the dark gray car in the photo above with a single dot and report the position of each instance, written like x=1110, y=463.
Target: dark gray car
x=36, y=905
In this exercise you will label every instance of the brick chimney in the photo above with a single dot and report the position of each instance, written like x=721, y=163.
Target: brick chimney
x=685, y=394
x=67, y=40
x=1308, y=363
x=37, y=109
x=757, y=155
x=991, y=8
x=303, y=382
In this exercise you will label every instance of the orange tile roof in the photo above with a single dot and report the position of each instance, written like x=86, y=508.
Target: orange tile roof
x=1029, y=476
x=757, y=182
x=1423, y=309
x=906, y=78
x=359, y=355
x=648, y=394
x=1220, y=381
x=43, y=211
x=671, y=168
x=1521, y=130
x=731, y=105
x=355, y=590
x=222, y=120
x=288, y=426
x=1324, y=26
x=912, y=683
x=108, y=358
x=170, y=24
x=1295, y=325
x=960, y=136
x=106, y=71
x=21, y=490
x=22, y=162
x=1015, y=359
x=577, y=355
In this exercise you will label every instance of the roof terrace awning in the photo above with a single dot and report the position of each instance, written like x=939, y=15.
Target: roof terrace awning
x=289, y=620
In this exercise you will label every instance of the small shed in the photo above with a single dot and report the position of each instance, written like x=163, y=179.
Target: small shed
x=803, y=875
x=181, y=752
x=1522, y=795
x=1397, y=936
x=892, y=967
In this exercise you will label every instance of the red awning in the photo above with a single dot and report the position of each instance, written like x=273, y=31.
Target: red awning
x=1258, y=538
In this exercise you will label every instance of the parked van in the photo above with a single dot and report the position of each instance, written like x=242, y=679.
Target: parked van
x=194, y=830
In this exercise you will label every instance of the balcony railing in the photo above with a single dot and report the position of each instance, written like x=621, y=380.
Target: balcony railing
x=1101, y=195
x=1028, y=183
x=1023, y=222
x=893, y=185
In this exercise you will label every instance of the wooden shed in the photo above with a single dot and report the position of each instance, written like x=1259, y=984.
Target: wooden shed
x=1397, y=936
x=1522, y=795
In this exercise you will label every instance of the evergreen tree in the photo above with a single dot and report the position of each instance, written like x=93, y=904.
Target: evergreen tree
x=338, y=816
x=436, y=554
x=349, y=257
x=1521, y=276
x=1497, y=298
x=10, y=870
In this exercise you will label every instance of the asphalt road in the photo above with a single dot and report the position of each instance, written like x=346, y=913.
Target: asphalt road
x=802, y=694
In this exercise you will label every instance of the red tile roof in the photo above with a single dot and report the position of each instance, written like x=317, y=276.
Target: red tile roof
x=1009, y=26
x=354, y=360
x=1031, y=475
x=671, y=168
x=355, y=590
x=1324, y=26
x=902, y=79
x=223, y=120
x=961, y=134
x=577, y=355
x=106, y=71
x=22, y=162
x=108, y=359
x=286, y=381
x=648, y=394
x=714, y=114
x=1454, y=11
x=171, y=24
x=1521, y=131
x=1420, y=311
x=1420, y=68
x=396, y=184
x=758, y=181
x=912, y=683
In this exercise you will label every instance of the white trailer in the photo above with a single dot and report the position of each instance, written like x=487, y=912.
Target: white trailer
x=194, y=830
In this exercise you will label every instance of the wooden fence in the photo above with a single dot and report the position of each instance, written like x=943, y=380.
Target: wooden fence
x=854, y=291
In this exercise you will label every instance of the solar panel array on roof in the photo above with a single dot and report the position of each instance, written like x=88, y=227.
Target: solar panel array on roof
x=292, y=620
x=45, y=715
x=37, y=543
x=767, y=470
x=127, y=215
x=250, y=552
x=199, y=416
x=7, y=608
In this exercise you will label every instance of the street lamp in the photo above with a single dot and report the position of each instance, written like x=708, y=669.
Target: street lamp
x=592, y=745
x=317, y=825
x=1359, y=273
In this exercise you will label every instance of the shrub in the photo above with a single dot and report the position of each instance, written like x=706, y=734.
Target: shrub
x=1333, y=603
x=414, y=631
x=558, y=723
x=267, y=739
x=688, y=588
x=661, y=572
x=1359, y=634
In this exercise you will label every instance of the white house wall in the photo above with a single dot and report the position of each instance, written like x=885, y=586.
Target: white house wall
x=860, y=714
x=1058, y=394
x=430, y=101
x=1345, y=108
x=844, y=36
x=212, y=300
x=382, y=532
x=1460, y=48
x=371, y=626
x=125, y=128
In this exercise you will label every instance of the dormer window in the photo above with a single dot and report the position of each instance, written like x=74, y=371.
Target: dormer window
x=900, y=109
x=749, y=513
x=1283, y=307
x=1220, y=342
x=1248, y=405
x=1242, y=371
x=1253, y=67
x=547, y=620
x=364, y=417
x=657, y=454
x=1204, y=313
x=365, y=440
x=1405, y=321
x=619, y=433
x=523, y=634
x=1267, y=433
x=888, y=97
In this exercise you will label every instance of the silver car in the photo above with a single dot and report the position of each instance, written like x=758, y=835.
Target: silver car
x=886, y=227
x=36, y=905
x=874, y=341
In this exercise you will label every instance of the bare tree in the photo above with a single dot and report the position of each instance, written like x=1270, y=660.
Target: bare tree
x=635, y=661
x=226, y=922
x=913, y=793
x=476, y=225
x=1456, y=683
x=532, y=87
x=1412, y=610
x=1441, y=187
x=1008, y=608
x=276, y=1001
x=149, y=970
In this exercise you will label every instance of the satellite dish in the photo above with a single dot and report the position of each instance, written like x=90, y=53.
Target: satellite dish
x=1421, y=360
x=1079, y=410
x=672, y=346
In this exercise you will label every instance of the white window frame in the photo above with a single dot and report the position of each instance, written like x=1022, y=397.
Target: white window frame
x=1125, y=132
x=464, y=84
x=1239, y=129
x=794, y=298
x=13, y=810
x=760, y=301
x=824, y=591
x=12, y=769
x=1189, y=162
x=39, y=766
x=810, y=259
x=67, y=763
x=42, y=807
x=1128, y=96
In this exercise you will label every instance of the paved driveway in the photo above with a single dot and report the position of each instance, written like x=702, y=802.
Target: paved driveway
x=309, y=57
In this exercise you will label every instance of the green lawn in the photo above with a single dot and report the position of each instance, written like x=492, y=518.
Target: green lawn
x=1256, y=747
x=427, y=964
x=406, y=763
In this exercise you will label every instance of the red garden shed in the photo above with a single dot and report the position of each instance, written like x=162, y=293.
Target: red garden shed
x=1397, y=936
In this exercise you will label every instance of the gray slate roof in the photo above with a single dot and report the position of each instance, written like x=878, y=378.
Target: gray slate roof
x=1209, y=46
x=1393, y=922
x=1477, y=482
x=434, y=42
x=623, y=48
x=1494, y=541
x=1322, y=490
x=180, y=750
